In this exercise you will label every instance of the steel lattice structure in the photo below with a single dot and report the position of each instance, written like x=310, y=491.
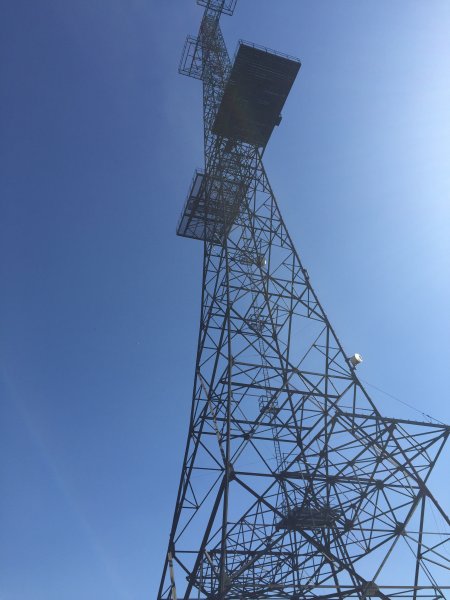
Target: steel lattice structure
x=293, y=484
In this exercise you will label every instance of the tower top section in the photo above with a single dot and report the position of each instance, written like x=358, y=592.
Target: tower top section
x=223, y=6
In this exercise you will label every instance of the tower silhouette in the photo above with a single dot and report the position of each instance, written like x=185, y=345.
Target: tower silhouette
x=293, y=485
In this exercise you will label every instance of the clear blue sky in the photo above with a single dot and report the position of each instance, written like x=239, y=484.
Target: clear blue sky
x=99, y=299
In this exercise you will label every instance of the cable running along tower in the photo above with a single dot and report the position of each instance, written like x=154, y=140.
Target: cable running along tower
x=293, y=485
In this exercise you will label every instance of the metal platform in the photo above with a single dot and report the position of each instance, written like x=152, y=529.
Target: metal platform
x=210, y=209
x=254, y=96
x=191, y=63
x=309, y=517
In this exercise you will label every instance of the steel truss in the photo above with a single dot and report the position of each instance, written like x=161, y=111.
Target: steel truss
x=293, y=484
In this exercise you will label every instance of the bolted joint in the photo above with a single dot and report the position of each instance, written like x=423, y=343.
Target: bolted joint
x=231, y=473
x=370, y=590
x=400, y=528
